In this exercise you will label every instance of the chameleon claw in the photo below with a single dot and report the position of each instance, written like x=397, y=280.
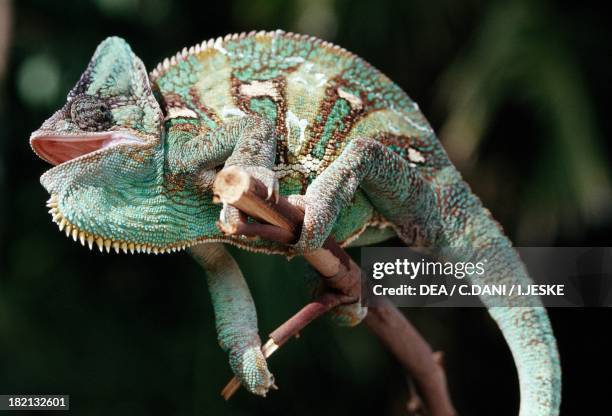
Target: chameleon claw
x=273, y=192
x=223, y=213
x=230, y=215
x=268, y=178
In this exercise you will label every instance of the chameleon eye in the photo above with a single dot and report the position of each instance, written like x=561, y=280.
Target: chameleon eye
x=91, y=113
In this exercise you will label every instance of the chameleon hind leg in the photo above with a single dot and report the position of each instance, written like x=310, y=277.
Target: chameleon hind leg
x=235, y=317
x=345, y=314
x=395, y=188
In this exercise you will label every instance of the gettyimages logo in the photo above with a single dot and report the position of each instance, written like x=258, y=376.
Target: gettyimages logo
x=463, y=277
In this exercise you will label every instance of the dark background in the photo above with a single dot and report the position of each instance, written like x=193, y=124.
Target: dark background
x=519, y=94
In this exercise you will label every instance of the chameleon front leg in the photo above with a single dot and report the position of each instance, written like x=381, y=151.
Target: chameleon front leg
x=255, y=152
x=235, y=317
x=248, y=142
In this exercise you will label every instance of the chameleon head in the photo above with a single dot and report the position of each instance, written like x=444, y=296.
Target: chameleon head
x=108, y=186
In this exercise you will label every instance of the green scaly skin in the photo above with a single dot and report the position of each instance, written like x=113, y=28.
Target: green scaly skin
x=312, y=121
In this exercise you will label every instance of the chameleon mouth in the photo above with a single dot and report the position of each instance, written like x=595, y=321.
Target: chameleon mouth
x=59, y=148
x=106, y=244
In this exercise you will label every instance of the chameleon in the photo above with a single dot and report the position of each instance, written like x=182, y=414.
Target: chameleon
x=135, y=155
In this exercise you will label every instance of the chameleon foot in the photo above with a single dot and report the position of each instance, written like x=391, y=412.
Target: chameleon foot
x=231, y=215
x=317, y=222
x=252, y=370
x=348, y=315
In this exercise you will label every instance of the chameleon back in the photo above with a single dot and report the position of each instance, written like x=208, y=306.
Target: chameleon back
x=318, y=96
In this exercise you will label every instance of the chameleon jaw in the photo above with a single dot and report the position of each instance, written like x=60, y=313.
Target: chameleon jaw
x=60, y=148
x=89, y=239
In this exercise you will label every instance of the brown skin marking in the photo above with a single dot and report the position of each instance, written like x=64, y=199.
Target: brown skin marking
x=244, y=104
x=304, y=182
x=338, y=139
x=174, y=183
x=140, y=155
x=390, y=139
x=196, y=100
x=331, y=95
x=240, y=100
x=170, y=100
x=280, y=84
x=186, y=127
x=173, y=100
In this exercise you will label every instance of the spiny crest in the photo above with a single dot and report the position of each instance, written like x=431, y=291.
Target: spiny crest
x=218, y=43
x=85, y=237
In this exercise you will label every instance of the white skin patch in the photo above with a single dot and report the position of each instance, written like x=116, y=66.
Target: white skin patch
x=231, y=111
x=418, y=126
x=422, y=127
x=314, y=79
x=294, y=59
x=353, y=100
x=319, y=80
x=174, y=112
x=293, y=120
x=394, y=129
x=415, y=156
x=260, y=88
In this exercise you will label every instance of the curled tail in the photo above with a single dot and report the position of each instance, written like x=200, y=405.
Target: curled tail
x=528, y=333
x=524, y=323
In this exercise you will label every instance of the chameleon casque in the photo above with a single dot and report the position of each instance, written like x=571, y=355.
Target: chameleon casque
x=136, y=156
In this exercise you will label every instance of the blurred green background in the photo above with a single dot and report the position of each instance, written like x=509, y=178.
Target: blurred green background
x=519, y=93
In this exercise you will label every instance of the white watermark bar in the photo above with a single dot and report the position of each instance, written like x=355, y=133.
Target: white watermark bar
x=466, y=277
x=34, y=402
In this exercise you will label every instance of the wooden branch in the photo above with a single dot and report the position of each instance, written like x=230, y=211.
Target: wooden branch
x=342, y=277
x=235, y=187
x=415, y=355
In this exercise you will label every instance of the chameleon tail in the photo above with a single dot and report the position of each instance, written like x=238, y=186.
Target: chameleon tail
x=524, y=323
x=528, y=333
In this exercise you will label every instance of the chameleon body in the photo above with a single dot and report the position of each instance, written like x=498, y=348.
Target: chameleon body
x=136, y=155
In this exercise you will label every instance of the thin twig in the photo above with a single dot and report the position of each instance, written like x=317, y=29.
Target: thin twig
x=290, y=328
x=342, y=278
